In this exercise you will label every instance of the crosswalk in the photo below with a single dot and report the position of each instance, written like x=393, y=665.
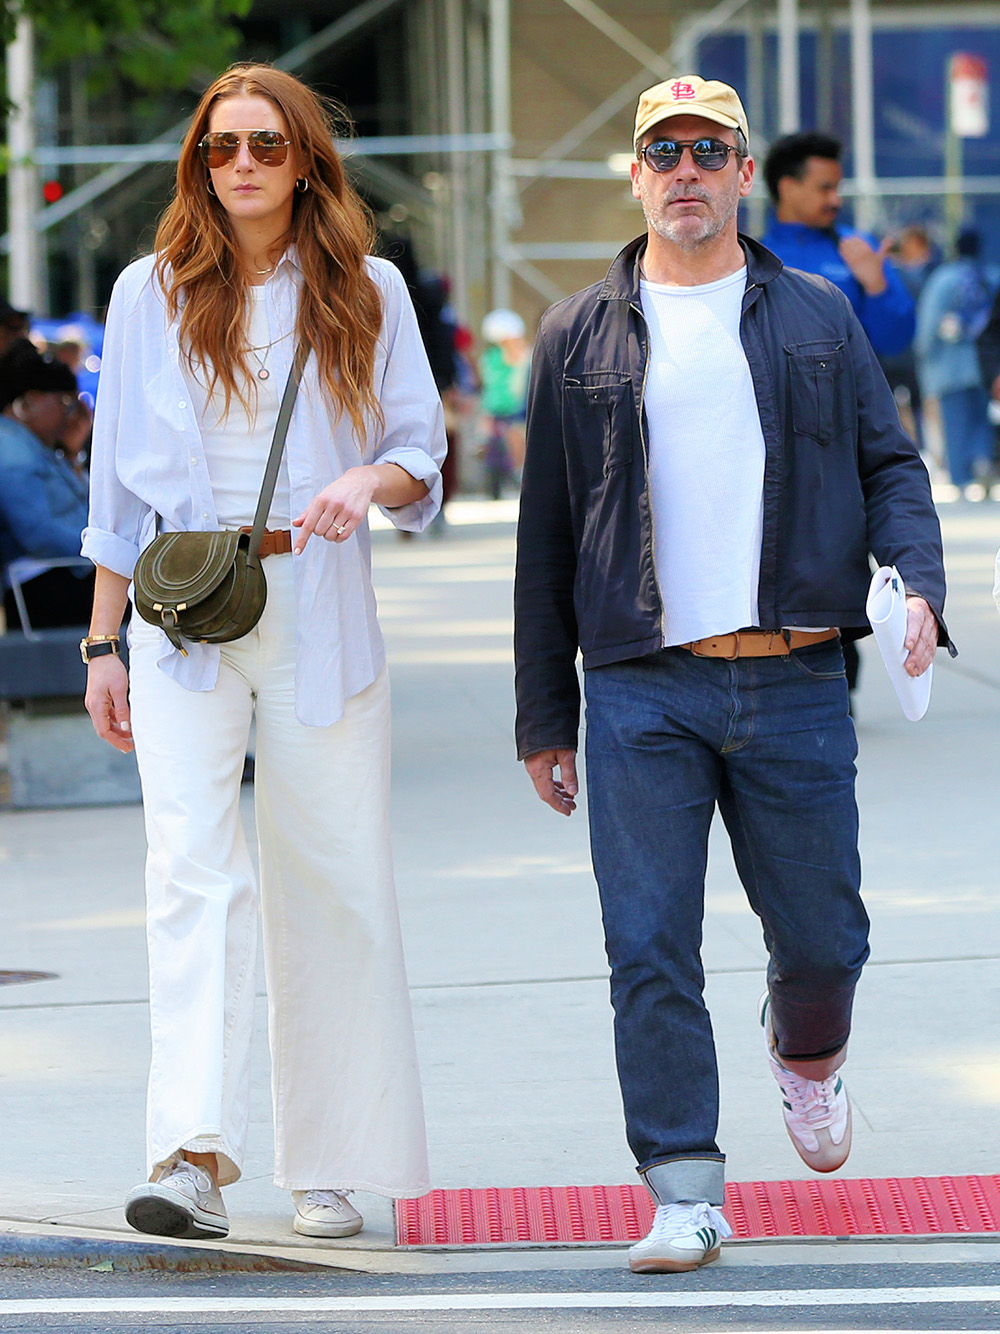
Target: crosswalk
x=812, y=1299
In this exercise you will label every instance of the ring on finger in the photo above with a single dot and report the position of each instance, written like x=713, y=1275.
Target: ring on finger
x=341, y=528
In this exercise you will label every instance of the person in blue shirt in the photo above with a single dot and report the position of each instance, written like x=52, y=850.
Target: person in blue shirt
x=43, y=498
x=803, y=175
x=952, y=312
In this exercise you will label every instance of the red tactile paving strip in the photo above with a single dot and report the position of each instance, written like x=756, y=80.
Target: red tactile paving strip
x=757, y=1210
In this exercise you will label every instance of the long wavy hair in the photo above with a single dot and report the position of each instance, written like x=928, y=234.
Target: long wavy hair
x=340, y=310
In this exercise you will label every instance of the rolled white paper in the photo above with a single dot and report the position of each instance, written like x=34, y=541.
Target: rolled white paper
x=886, y=608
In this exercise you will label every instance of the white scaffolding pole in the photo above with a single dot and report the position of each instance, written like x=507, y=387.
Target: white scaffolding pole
x=863, y=114
x=500, y=126
x=25, y=283
x=457, y=111
x=789, y=99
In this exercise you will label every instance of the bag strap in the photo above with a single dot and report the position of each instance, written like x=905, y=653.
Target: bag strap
x=277, y=447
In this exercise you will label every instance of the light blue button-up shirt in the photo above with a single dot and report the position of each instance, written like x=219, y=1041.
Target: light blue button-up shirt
x=148, y=459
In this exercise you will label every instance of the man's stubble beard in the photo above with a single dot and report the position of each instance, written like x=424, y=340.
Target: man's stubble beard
x=679, y=231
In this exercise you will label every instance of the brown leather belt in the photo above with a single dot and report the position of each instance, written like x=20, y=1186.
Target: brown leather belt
x=275, y=542
x=756, y=643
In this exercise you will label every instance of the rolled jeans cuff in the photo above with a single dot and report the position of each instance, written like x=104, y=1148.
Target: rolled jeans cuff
x=814, y=1067
x=691, y=1179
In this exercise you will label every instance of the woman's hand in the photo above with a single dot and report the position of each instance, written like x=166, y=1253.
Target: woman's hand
x=107, y=701
x=340, y=508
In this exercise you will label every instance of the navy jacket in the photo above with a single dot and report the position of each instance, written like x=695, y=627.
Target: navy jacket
x=841, y=479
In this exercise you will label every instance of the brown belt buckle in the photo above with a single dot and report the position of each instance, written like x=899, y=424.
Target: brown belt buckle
x=731, y=657
x=726, y=657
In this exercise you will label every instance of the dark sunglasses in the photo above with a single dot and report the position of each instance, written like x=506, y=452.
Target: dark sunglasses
x=665, y=154
x=219, y=148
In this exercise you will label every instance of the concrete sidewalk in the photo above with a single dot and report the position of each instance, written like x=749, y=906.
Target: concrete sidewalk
x=504, y=944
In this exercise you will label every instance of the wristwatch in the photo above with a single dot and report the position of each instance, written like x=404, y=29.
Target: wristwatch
x=95, y=646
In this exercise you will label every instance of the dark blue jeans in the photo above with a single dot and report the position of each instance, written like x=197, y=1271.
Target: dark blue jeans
x=968, y=436
x=770, y=742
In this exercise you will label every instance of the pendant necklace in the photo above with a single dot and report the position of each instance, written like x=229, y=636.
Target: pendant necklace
x=263, y=373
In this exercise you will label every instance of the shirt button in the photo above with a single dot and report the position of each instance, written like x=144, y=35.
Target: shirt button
x=182, y=404
x=204, y=514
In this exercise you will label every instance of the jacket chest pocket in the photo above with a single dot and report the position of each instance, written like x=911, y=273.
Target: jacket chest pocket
x=816, y=381
x=599, y=423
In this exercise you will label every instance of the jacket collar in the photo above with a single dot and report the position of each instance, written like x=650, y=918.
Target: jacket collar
x=622, y=281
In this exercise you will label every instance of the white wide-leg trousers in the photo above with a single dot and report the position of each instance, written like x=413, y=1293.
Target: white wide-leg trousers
x=347, y=1103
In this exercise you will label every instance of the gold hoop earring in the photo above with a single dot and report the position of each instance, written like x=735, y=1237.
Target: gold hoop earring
x=302, y=185
x=211, y=189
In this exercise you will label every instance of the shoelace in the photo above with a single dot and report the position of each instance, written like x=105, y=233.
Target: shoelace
x=326, y=1199
x=198, y=1178
x=813, y=1101
x=677, y=1220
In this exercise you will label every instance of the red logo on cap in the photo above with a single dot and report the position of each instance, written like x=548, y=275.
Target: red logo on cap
x=682, y=92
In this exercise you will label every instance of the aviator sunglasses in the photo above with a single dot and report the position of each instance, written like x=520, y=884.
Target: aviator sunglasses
x=665, y=154
x=219, y=148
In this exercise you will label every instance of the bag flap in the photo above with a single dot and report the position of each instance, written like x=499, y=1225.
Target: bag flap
x=185, y=567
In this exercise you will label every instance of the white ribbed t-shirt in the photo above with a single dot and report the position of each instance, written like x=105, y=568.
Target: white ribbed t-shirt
x=237, y=445
x=706, y=459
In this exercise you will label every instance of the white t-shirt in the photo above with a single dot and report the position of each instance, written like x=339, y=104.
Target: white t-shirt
x=706, y=459
x=237, y=445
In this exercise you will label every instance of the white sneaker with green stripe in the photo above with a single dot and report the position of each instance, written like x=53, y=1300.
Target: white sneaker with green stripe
x=817, y=1111
x=683, y=1236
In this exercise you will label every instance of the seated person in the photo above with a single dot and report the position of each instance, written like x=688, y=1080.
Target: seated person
x=43, y=499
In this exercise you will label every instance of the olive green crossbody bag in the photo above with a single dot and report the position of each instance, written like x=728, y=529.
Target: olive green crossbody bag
x=210, y=587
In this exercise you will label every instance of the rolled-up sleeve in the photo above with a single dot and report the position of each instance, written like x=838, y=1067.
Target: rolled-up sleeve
x=413, y=436
x=116, y=518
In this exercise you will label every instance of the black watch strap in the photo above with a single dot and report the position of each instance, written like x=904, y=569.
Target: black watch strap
x=90, y=651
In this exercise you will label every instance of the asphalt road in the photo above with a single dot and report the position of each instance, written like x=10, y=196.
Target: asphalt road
x=788, y=1298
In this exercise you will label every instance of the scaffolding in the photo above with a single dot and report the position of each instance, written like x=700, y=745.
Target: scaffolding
x=500, y=214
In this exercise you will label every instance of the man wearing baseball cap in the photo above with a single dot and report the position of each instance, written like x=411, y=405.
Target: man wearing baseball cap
x=712, y=454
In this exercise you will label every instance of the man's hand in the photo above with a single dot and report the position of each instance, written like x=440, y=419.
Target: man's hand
x=559, y=793
x=866, y=263
x=921, y=636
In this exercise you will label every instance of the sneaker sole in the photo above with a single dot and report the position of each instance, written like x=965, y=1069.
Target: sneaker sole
x=307, y=1229
x=829, y=1156
x=655, y=1265
x=159, y=1218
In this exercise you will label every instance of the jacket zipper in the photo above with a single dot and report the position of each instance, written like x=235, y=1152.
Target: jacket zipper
x=645, y=455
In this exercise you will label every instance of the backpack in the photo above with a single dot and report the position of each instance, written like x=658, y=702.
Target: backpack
x=970, y=307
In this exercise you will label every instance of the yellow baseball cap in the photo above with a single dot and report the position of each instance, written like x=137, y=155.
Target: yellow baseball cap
x=688, y=95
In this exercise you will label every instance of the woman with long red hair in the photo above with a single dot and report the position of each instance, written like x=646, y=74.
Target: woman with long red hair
x=265, y=248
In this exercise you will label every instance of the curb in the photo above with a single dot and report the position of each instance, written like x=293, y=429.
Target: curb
x=32, y=1250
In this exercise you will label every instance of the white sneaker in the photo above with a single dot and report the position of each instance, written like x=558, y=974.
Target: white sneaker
x=817, y=1111
x=184, y=1201
x=683, y=1236
x=325, y=1213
